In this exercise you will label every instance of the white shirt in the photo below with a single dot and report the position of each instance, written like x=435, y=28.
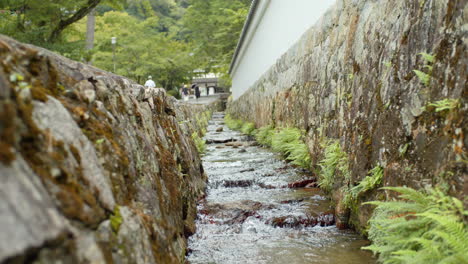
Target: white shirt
x=150, y=84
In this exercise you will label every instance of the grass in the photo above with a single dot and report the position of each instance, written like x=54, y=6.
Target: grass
x=424, y=226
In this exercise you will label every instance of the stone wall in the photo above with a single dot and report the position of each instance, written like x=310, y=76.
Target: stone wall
x=351, y=78
x=93, y=167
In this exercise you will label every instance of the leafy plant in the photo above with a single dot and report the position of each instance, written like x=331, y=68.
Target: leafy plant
x=425, y=78
x=371, y=181
x=335, y=162
x=234, y=124
x=288, y=141
x=248, y=128
x=200, y=143
x=446, y=104
x=429, y=58
x=299, y=155
x=425, y=226
x=116, y=219
x=264, y=135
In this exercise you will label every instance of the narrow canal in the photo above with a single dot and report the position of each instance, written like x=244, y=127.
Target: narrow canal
x=258, y=209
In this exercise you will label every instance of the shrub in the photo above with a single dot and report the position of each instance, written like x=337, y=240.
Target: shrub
x=422, y=227
x=335, y=161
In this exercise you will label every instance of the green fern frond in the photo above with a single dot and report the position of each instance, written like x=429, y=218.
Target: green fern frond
x=429, y=58
x=424, y=78
x=248, y=128
x=264, y=135
x=425, y=227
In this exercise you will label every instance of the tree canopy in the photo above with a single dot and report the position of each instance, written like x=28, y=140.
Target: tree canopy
x=167, y=39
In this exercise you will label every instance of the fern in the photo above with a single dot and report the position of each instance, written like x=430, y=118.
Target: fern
x=429, y=58
x=425, y=78
x=264, y=135
x=282, y=138
x=335, y=161
x=446, y=104
x=234, y=124
x=368, y=183
x=200, y=143
x=299, y=155
x=288, y=141
x=424, y=227
x=248, y=128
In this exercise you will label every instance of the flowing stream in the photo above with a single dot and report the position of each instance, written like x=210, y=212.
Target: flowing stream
x=259, y=209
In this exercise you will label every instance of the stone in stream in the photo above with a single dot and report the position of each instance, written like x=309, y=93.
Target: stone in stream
x=242, y=151
x=310, y=183
x=219, y=129
x=220, y=140
x=324, y=219
x=237, y=183
x=246, y=170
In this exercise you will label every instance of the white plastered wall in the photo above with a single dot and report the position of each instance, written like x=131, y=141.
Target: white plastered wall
x=276, y=26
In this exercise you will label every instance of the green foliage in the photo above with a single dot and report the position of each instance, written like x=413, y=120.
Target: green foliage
x=334, y=164
x=371, y=181
x=174, y=93
x=116, y=219
x=422, y=227
x=429, y=58
x=446, y=104
x=288, y=141
x=200, y=143
x=282, y=138
x=234, y=124
x=248, y=128
x=214, y=26
x=425, y=78
x=264, y=135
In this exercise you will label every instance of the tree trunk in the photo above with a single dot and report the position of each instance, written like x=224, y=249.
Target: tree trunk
x=82, y=12
x=90, y=27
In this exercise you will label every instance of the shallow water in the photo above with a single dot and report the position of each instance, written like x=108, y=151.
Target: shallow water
x=250, y=216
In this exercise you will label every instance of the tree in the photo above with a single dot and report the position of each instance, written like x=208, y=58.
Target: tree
x=215, y=27
x=41, y=22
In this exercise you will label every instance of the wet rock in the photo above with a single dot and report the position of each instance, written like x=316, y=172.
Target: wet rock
x=290, y=221
x=303, y=183
x=247, y=170
x=242, y=151
x=266, y=186
x=219, y=141
x=238, y=183
x=291, y=201
x=219, y=129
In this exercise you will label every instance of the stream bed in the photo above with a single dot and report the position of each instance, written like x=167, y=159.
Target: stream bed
x=260, y=209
